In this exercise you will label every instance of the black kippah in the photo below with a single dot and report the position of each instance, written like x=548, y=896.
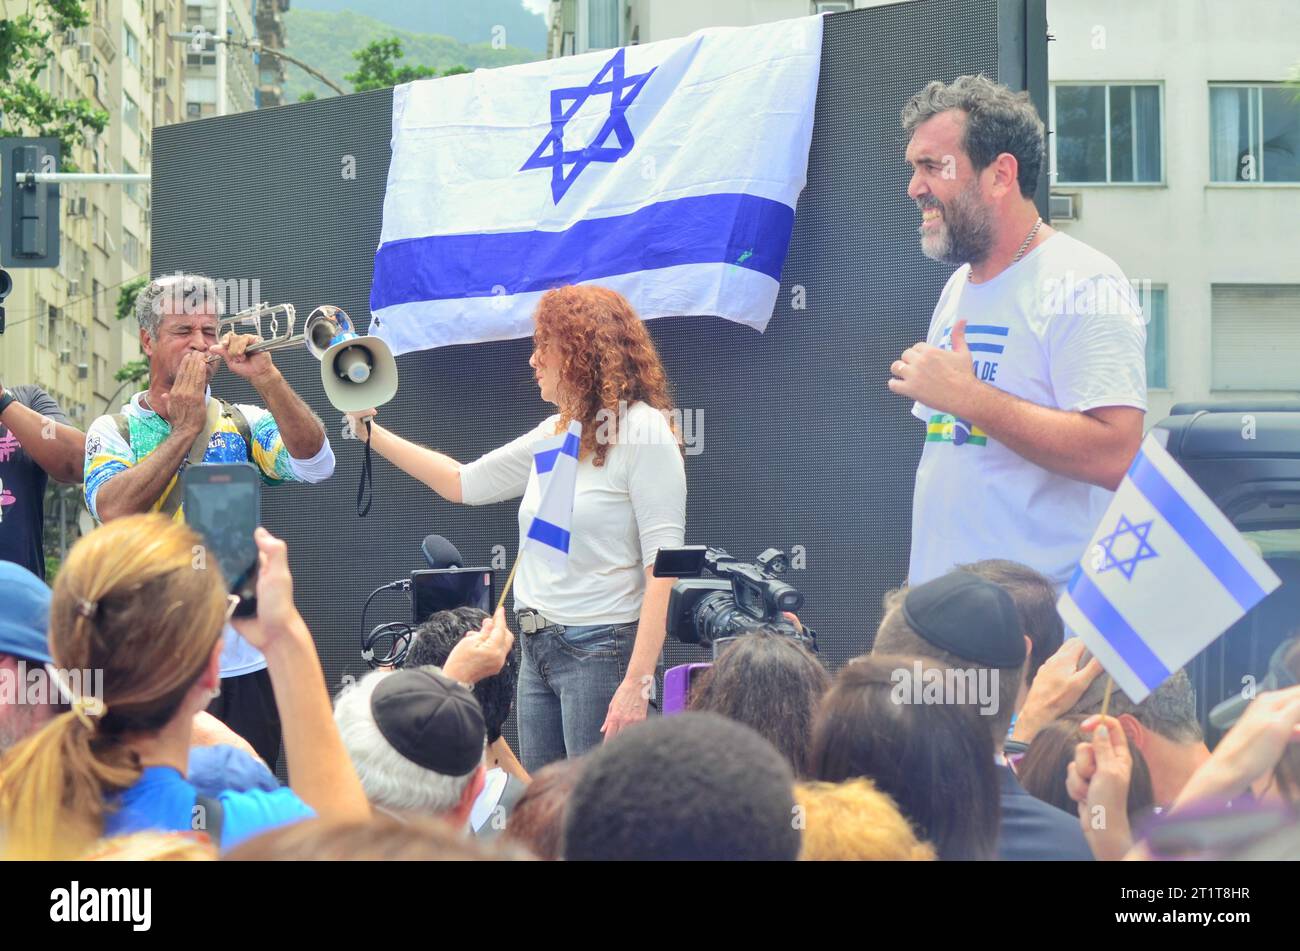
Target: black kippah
x=967, y=616
x=431, y=720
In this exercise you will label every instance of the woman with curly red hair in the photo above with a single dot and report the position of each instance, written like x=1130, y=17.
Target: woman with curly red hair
x=597, y=627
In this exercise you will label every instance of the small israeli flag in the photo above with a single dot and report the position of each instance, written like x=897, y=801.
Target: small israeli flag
x=556, y=460
x=1164, y=575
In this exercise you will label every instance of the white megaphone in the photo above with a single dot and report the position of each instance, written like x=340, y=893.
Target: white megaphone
x=358, y=371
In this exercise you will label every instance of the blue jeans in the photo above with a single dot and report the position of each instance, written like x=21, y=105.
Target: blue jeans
x=567, y=677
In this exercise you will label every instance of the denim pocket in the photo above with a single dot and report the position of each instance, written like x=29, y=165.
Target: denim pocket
x=602, y=640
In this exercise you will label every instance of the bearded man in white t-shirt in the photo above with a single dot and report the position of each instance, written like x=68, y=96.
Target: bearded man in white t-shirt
x=1032, y=378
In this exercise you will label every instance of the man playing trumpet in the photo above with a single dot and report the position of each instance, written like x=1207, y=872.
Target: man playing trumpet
x=134, y=459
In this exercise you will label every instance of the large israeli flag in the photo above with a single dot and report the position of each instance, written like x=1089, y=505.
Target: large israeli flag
x=556, y=461
x=668, y=172
x=1164, y=575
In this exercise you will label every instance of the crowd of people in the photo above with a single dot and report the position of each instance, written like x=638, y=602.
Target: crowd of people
x=971, y=731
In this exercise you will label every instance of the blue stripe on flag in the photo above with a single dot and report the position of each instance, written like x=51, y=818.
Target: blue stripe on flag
x=984, y=347
x=546, y=459
x=744, y=230
x=1117, y=631
x=549, y=534
x=1198, y=536
x=991, y=329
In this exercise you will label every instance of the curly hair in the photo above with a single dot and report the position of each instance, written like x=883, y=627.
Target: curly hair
x=606, y=358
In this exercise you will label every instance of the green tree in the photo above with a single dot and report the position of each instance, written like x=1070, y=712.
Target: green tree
x=379, y=66
x=27, y=109
x=133, y=371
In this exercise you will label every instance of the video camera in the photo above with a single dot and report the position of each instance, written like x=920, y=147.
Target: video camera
x=739, y=599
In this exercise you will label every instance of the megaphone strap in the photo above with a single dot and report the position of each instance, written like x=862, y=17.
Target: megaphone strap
x=366, y=488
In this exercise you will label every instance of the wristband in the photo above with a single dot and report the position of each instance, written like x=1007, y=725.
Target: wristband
x=5, y=400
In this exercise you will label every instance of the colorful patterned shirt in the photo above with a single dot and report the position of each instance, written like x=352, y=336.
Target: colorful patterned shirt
x=108, y=455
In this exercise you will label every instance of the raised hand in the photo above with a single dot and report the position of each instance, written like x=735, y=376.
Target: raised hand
x=277, y=616
x=1098, y=780
x=356, y=422
x=481, y=654
x=938, y=378
x=256, y=368
x=184, y=406
x=1057, y=687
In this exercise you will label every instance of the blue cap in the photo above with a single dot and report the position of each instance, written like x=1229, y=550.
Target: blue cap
x=25, y=620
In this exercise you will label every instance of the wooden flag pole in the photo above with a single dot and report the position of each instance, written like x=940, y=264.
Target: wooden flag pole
x=1105, y=699
x=511, y=577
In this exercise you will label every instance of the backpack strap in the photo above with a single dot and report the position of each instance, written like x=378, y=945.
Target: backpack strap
x=214, y=817
x=241, y=424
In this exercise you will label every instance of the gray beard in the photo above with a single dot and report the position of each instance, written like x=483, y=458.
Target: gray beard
x=965, y=233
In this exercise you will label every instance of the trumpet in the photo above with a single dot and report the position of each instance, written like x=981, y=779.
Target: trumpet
x=250, y=321
x=357, y=371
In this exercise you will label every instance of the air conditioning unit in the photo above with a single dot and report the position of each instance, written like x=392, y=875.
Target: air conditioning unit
x=77, y=207
x=1063, y=207
x=83, y=371
x=85, y=52
x=160, y=82
x=65, y=356
x=70, y=37
x=74, y=288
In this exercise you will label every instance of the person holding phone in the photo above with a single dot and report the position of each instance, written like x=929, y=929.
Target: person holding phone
x=116, y=762
x=134, y=459
x=593, y=632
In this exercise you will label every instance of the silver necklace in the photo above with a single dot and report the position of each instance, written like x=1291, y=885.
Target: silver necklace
x=1024, y=245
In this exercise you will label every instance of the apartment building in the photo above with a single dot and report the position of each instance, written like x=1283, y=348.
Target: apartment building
x=62, y=331
x=220, y=77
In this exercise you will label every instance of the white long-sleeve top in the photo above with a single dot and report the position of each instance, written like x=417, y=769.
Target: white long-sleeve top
x=623, y=513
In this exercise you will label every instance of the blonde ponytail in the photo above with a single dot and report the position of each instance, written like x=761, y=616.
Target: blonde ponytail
x=134, y=603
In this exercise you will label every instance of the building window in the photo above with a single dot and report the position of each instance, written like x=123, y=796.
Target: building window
x=42, y=331
x=1106, y=134
x=1254, y=134
x=1155, y=308
x=52, y=331
x=132, y=191
x=130, y=248
x=130, y=113
x=602, y=24
x=1255, y=336
x=130, y=45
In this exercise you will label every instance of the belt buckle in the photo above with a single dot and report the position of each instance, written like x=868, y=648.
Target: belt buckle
x=530, y=621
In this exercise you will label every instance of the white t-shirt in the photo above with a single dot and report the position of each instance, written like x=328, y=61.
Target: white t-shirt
x=623, y=513
x=1061, y=328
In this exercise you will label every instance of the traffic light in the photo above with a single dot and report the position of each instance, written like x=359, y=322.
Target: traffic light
x=29, y=212
x=6, y=285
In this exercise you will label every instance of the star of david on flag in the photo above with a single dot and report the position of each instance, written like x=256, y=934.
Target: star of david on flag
x=1141, y=548
x=668, y=172
x=551, y=153
x=1164, y=575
